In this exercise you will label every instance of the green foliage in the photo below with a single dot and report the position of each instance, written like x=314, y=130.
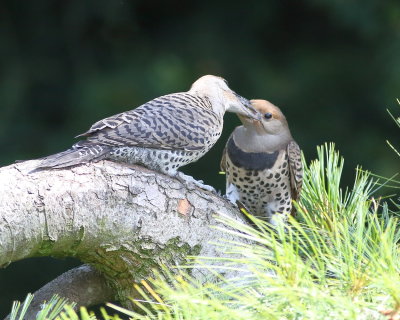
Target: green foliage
x=339, y=259
x=50, y=310
x=56, y=309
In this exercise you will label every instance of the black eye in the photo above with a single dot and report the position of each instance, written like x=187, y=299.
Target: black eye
x=268, y=115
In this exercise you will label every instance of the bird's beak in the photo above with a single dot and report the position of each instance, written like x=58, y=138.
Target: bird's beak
x=249, y=121
x=244, y=107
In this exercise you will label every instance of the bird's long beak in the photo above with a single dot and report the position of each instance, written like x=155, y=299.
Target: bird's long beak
x=245, y=108
x=252, y=124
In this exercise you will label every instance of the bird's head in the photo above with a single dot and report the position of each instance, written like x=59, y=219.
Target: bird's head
x=272, y=122
x=222, y=97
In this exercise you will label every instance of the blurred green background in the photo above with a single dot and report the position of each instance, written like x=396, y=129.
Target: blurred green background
x=332, y=66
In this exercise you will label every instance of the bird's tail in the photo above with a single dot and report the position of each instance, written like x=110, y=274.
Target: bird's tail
x=73, y=157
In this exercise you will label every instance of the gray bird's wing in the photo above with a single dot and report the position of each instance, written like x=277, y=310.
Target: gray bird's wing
x=178, y=121
x=295, y=169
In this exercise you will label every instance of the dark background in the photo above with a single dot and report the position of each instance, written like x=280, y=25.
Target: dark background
x=332, y=66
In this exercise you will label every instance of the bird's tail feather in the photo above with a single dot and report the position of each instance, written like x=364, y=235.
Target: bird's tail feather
x=73, y=157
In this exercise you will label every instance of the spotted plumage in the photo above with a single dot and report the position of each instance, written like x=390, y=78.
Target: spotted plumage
x=263, y=164
x=162, y=134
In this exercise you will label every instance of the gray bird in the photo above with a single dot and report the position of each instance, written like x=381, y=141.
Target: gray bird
x=162, y=134
x=263, y=165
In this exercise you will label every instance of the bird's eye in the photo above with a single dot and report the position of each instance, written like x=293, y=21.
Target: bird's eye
x=268, y=115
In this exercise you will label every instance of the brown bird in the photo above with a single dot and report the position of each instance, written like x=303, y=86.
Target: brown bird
x=263, y=164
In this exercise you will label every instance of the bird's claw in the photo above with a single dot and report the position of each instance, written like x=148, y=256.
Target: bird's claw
x=189, y=180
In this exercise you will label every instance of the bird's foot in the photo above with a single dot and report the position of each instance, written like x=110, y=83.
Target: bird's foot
x=278, y=220
x=225, y=196
x=189, y=180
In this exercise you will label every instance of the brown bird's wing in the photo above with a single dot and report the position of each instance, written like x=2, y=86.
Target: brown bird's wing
x=295, y=169
x=178, y=121
x=222, y=164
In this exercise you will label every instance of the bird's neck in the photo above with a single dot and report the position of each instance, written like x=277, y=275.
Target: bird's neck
x=215, y=97
x=251, y=141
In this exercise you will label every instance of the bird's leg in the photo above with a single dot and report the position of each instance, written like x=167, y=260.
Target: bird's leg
x=279, y=219
x=189, y=180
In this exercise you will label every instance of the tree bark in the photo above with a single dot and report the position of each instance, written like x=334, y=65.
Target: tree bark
x=124, y=221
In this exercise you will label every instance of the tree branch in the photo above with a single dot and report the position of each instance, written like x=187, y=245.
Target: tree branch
x=124, y=221
x=83, y=284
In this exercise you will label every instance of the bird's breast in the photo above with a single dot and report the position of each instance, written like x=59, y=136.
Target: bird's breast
x=250, y=160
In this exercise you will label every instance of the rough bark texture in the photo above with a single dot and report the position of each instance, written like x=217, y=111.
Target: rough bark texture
x=122, y=220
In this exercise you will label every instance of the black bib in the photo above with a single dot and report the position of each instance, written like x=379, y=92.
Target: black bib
x=250, y=160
